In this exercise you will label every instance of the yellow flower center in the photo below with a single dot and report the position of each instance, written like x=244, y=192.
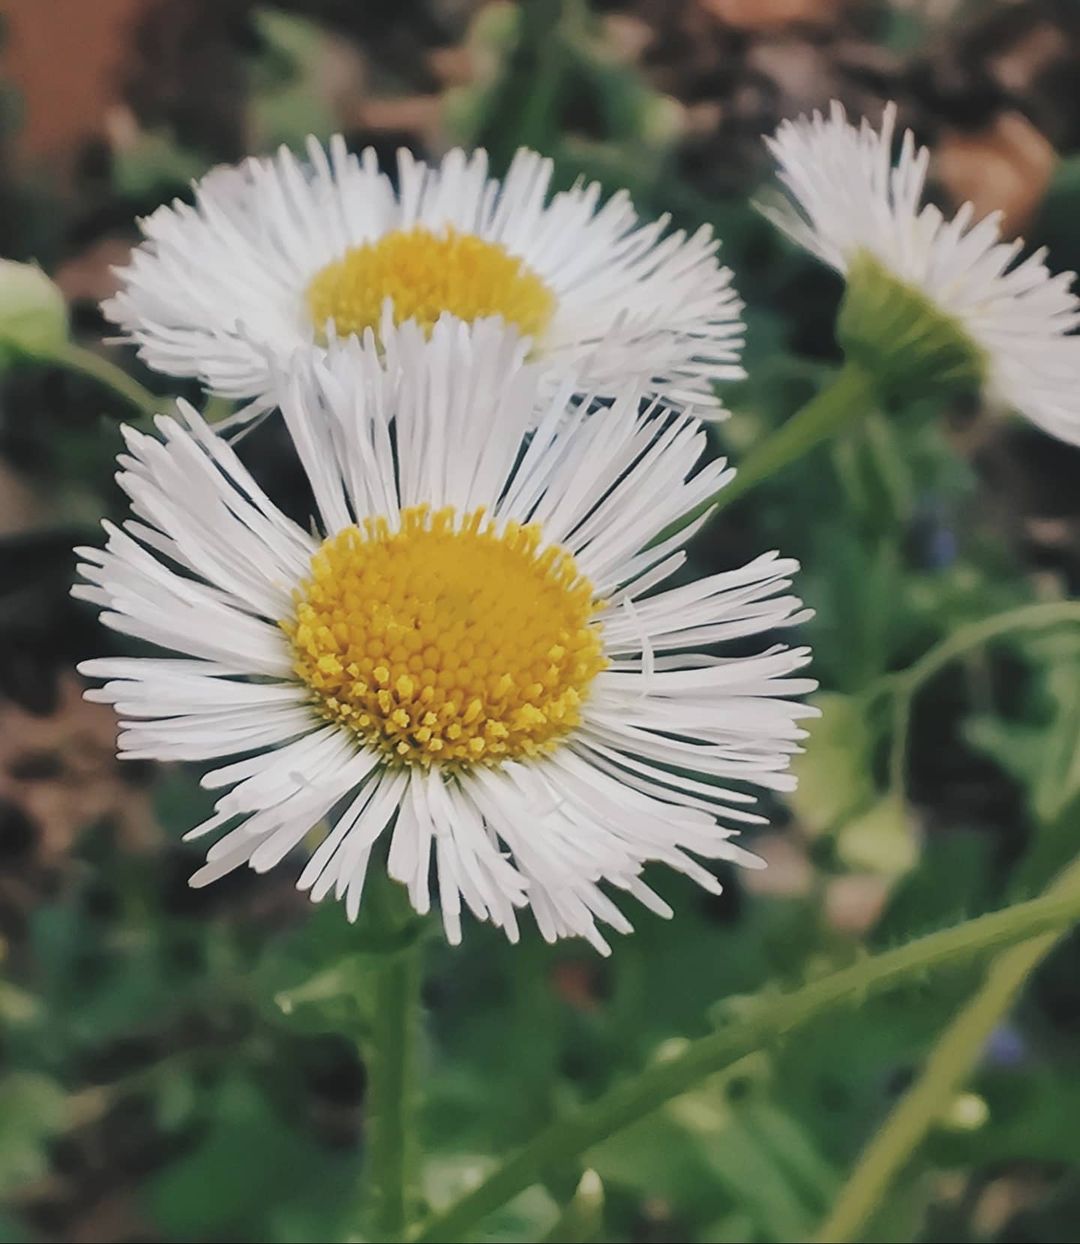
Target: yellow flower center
x=448, y=641
x=425, y=274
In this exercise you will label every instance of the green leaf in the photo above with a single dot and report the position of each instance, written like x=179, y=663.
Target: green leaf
x=16, y=1005
x=876, y=472
x=33, y=1108
x=1055, y=224
x=792, y=1148
x=883, y=839
x=180, y=803
x=1043, y=754
x=321, y=976
x=33, y=313
x=953, y=879
x=834, y=772
x=249, y=1170
x=721, y=1145
x=152, y=161
x=12, y=1232
x=289, y=100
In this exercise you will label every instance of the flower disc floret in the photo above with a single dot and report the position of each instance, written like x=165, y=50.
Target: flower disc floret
x=424, y=275
x=448, y=640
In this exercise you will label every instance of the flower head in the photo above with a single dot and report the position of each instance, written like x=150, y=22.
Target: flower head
x=471, y=658
x=929, y=300
x=278, y=253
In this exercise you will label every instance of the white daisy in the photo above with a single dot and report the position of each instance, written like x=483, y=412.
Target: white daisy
x=975, y=310
x=279, y=253
x=471, y=660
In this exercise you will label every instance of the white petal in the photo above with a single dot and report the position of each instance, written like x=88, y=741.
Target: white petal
x=847, y=196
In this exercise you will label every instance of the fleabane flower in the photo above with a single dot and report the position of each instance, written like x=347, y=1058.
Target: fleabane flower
x=929, y=301
x=278, y=253
x=472, y=660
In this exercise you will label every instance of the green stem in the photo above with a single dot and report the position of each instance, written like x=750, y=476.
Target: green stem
x=391, y=1068
x=544, y=33
x=762, y=1021
x=104, y=371
x=848, y=395
x=950, y=1064
x=904, y=686
x=898, y=748
x=975, y=634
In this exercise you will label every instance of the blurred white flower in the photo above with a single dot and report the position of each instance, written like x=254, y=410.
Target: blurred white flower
x=471, y=658
x=929, y=300
x=278, y=253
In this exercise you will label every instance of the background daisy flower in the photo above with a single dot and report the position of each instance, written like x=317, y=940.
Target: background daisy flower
x=276, y=253
x=471, y=659
x=929, y=300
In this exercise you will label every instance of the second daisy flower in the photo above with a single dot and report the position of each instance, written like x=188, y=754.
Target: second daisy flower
x=278, y=253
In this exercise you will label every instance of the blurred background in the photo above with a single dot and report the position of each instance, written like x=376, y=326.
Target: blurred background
x=172, y=1063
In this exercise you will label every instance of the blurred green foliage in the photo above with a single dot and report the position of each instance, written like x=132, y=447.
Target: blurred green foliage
x=181, y=1055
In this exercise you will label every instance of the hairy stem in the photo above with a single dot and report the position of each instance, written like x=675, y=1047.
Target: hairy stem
x=847, y=396
x=950, y=1063
x=391, y=1066
x=764, y=1020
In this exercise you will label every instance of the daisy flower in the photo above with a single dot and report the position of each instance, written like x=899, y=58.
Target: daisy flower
x=472, y=661
x=278, y=253
x=929, y=300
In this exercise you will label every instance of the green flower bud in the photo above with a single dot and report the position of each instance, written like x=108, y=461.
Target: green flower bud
x=908, y=345
x=33, y=313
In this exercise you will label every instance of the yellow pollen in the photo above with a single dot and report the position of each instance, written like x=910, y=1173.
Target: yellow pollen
x=425, y=274
x=449, y=641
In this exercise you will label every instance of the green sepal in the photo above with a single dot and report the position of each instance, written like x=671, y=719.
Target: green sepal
x=894, y=332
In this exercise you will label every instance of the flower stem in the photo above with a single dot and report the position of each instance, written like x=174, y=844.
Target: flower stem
x=761, y=1020
x=104, y=371
x=390, y=1061
x=949, y=1065
x=906, y=684
x=975, y=634
x=848, y=395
